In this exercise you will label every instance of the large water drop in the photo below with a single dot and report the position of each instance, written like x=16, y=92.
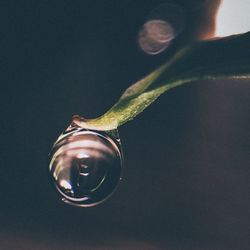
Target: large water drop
x=85, y=166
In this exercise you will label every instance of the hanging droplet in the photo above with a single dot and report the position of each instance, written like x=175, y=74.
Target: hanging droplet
x=85, y=166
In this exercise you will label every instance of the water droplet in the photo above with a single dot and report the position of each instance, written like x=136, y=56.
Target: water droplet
x=85, y=166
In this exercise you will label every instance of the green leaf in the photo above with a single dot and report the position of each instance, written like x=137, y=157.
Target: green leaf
x=221, y=58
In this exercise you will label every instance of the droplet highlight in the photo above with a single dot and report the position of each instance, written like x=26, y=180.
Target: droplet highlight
x=85, y=166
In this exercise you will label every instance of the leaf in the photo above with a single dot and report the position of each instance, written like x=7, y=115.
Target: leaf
x=221, y=58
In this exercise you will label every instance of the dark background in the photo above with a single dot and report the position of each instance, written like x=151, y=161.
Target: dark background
x=186, y=177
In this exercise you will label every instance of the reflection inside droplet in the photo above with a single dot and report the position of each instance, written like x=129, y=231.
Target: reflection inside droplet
x=85, y=166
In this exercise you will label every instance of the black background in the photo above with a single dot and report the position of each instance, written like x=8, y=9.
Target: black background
x=186, y=178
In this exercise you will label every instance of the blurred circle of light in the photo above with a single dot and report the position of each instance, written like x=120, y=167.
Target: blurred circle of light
x=163, y=24
x=155, y=36
x=233, y=17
